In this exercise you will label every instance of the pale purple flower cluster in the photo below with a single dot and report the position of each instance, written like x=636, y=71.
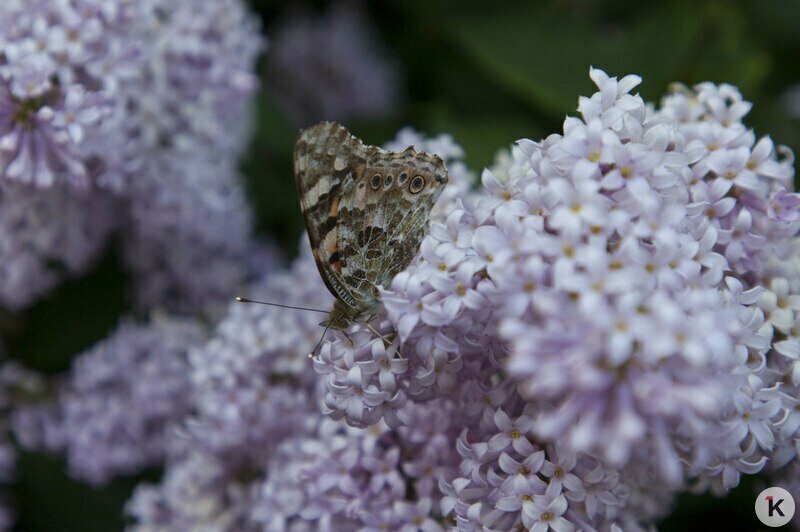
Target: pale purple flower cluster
x=190, y=226
x=331, y=67
x=341, y=478
x=252, y=388
x=146, y=100
x=255, y=369
x=258, y=454
x=611, y=319
x=62, y=65
x=58, y=63
x=115, y=413
x=619, y=275
x=47, y=236
x=85, y=85
x=188, y=236
x=126, y=116
x=507, y=480
x=197, y=492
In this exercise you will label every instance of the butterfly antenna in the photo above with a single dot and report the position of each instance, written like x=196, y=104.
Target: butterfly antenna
x=245, y=300
x=321, y=338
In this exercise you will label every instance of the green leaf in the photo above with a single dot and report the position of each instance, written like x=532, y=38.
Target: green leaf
x=544, y=55
x=729, y=52
x=482, y=137
x=268, y=173
x=47, y=499
x=775, y=21
x=73, y=318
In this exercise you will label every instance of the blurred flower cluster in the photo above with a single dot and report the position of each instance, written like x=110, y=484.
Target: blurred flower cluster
x=124, y=114
x=124, y=118
x=331, y=67
x=115, y=412
x=611, y=319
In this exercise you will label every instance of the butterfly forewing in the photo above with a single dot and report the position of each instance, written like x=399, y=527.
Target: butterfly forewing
x=324, y=156
x=366, y=210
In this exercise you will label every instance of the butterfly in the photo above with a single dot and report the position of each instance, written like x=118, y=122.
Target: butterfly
x=366, y=211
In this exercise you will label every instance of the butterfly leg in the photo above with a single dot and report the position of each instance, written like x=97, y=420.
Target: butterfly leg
x=352, y=344
x=376, y=333
x=387, y=342
x=321, y=338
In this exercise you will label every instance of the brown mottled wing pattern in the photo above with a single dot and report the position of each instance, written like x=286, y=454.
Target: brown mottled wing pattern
x=325, y=156
x=366, y=210
x=380, y=230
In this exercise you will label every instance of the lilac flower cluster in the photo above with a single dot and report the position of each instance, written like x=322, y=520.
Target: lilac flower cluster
x=327, y=476
x=251, y=390
x=197, y=492
x=46, y=236
x=255, y=368
x=146, y=101
x=331, y=67
x=188, y=239
x=87, y=84
x=115, y=413
x=257, y=452
x=62, y=63
x=340, y=478
x=610, y=320
x=122, y=116
x=190, y=223
x=619, y=275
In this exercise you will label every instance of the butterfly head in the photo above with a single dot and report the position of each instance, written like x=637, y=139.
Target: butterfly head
x=342, y=315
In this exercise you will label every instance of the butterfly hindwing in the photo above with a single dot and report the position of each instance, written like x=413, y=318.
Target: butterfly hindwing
x=383, y=222
x=366, y=211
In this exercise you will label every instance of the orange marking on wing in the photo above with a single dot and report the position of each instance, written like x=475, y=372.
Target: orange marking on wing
x=360, y=170
x=334, y=212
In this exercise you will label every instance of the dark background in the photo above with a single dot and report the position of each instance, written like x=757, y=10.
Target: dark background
x=488, y=73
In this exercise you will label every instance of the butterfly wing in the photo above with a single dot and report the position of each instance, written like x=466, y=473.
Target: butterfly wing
x=325, y=157
x=383, y=216
x=366, y=210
